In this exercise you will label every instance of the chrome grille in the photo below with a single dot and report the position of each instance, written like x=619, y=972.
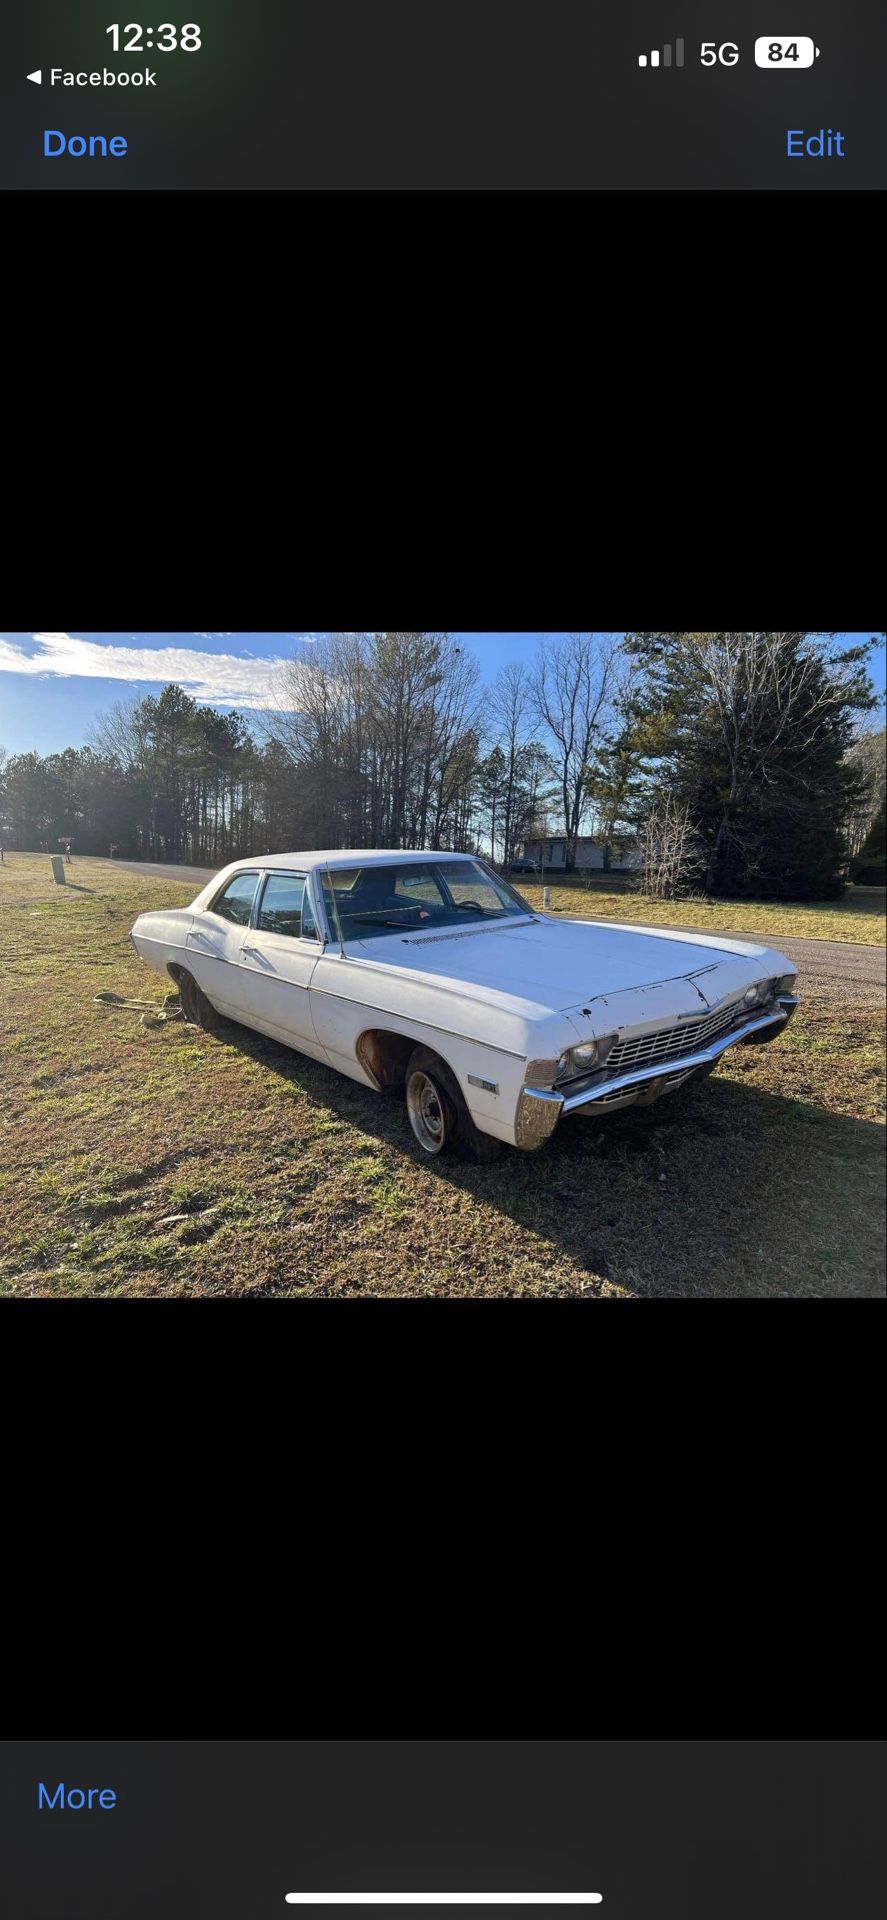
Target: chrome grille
x=670, y=1043
x=625, y=1093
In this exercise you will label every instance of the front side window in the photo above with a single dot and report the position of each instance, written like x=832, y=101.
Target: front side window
x=286, y=907
x=235, y=903
x=418, y=896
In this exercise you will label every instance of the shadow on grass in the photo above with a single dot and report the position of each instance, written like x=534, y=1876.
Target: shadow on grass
x=721, y=1189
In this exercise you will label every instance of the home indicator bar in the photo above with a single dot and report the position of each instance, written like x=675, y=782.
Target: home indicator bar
x=444, y=1899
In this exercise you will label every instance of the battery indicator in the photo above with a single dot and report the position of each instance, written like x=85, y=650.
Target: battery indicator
x=778, y=51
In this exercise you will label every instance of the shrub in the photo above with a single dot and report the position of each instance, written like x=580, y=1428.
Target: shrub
x=868, y=873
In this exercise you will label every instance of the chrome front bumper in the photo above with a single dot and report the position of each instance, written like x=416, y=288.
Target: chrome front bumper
x=539, y=1109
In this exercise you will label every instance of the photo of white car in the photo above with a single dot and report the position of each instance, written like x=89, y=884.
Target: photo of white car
x=427, y=974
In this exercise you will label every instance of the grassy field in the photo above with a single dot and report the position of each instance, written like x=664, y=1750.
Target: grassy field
x=860, y=916
x=162, y=1161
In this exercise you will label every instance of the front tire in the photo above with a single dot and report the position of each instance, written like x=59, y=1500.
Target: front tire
x=437, y=1111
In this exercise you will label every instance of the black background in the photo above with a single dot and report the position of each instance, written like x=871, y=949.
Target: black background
x=665, y=1830
x=449, y=93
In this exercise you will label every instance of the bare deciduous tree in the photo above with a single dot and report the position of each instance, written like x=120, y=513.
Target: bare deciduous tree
x=450, y=728
x=119, y=733
x=382, y=730
x=868, y=756
x=671, y=850
x=573, y=687
x=509, y=708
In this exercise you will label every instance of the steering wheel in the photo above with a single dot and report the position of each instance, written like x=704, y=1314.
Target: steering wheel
x=470, y=903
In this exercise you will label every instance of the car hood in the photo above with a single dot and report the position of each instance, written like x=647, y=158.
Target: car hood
x=564, y=964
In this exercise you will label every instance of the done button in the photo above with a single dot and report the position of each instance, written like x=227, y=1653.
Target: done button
x=82, y=145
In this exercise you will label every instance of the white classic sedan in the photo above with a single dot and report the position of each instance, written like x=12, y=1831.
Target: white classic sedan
x=427, y=972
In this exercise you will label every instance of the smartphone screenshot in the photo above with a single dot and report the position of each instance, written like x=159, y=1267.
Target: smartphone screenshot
x=437, y=94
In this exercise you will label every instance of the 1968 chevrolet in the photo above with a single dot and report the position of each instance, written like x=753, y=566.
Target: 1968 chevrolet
x=428, y=973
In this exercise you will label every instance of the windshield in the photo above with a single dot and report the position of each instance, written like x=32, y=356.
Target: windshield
x=418, y=896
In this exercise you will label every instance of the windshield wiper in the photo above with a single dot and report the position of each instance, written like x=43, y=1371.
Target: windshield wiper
x=380, y=919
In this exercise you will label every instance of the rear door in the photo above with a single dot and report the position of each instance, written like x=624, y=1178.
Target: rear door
x=215, y=940
x=277, y=957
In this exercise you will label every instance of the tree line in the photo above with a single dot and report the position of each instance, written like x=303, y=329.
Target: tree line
x=738, y=763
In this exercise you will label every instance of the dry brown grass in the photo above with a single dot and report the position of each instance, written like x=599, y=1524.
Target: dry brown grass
x=166, y=1162
x=858, y=917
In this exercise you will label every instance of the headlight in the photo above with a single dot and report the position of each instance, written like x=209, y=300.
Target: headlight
x=577, y=1060
x=751, y=997
x=591, y=1053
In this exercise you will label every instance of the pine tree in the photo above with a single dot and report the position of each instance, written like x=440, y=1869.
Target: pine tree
x=750, y=731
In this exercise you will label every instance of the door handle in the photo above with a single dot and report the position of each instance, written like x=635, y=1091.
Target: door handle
x=256, y=950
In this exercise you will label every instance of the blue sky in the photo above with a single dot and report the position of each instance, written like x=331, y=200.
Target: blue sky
x=53, y=686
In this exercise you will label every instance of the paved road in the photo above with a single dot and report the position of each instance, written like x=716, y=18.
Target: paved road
x=199, y=875
x=822, y=964
x=826, y=964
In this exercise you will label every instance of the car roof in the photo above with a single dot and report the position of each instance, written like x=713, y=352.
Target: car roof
x=341, y=857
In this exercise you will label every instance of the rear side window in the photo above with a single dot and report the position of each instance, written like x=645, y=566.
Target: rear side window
x=284, y=907
x=235, y=903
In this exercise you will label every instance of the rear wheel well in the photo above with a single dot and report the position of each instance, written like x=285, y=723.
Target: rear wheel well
x=196, y=1007
x=384, y=1055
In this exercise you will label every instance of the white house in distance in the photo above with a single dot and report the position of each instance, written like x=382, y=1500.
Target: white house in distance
x=589, y=854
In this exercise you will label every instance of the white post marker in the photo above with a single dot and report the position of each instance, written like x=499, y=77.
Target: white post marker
x=444, y=1899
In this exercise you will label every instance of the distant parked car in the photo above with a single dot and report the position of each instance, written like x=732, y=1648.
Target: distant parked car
x=523, y=866
x=428, y=973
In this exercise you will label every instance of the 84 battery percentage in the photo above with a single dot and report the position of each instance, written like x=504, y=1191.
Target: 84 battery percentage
x=783, y=52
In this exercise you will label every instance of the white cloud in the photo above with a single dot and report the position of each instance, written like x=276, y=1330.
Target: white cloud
x=224, y=678
x=308, y=638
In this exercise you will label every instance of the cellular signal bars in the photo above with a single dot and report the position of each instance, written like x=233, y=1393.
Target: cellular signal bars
x=653, y=58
